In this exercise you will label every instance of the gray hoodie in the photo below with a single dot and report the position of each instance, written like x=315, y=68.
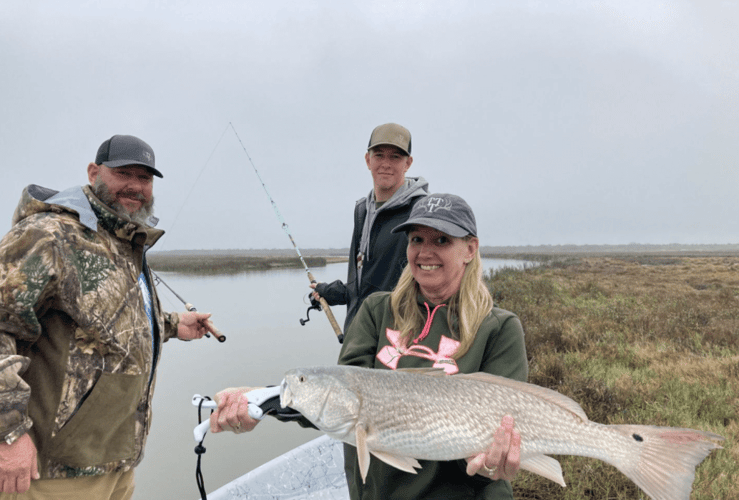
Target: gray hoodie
x=382, y=252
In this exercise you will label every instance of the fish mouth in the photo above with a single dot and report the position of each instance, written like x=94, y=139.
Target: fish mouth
x=286, y=396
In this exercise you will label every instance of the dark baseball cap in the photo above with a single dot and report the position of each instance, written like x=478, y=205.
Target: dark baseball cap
x=447, y=213
x=124, y=150
x=391, y=134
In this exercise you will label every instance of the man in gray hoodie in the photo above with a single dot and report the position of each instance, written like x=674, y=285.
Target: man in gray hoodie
x=376, y=255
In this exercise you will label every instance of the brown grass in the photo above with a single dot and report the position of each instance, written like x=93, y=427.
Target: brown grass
x=214, y=264
x=634, y=339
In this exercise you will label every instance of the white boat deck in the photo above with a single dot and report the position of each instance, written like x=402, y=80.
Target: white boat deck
x=312, y=471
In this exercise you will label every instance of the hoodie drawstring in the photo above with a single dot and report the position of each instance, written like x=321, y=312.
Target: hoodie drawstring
x=429, y=320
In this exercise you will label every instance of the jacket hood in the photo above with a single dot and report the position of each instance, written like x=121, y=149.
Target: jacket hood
x=37, y=199
x=80, y=201
x=412, y=188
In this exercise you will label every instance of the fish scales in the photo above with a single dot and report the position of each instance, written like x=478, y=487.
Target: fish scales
x=435, y=422
x=421, y=414
x=447, y=418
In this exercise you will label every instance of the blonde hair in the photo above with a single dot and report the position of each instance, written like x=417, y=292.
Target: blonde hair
x=470, y=306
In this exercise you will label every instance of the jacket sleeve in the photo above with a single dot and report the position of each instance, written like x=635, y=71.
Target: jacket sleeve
x=335, y=293
x=506, y=351
x=14, y=392
x=28, y=277
x=362, y=337
x=171, y=323
x=505, y=356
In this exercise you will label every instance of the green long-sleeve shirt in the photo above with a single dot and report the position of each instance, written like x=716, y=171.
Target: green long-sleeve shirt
x=371, y=341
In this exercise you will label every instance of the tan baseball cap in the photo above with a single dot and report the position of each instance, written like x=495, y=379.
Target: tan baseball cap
x=391, y=134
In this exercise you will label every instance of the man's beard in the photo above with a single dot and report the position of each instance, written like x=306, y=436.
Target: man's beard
x=140, y=216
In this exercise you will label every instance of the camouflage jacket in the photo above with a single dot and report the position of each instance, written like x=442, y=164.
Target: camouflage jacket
x=77, y=350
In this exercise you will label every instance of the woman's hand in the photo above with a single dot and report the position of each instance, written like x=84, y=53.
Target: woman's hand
x=232, y=413
x=503, y=458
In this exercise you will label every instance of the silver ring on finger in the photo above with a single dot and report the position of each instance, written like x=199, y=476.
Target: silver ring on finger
x=488, y=470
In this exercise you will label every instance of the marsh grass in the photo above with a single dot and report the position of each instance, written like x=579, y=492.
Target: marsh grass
x=637, y=340
x=215, y=264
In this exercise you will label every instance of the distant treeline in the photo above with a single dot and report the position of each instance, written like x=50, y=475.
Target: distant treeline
x=673, y=249
x=210, y=263
x=255, y=252
x=487, y=250
x=230, y=261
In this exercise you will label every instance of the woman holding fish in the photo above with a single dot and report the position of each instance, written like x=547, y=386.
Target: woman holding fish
x=440, y=315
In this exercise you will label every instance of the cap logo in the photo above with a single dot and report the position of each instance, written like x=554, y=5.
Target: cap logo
x=433, y=204
x=147, y=155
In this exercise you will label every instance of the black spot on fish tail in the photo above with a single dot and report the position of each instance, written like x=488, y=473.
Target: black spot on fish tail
x=637, y=437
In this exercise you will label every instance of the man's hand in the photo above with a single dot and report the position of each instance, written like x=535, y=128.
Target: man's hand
x=18, y=465
x=194, y=325
x=232, y=413
x=503, y=458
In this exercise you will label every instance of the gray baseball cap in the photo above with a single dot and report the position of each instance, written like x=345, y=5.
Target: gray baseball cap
x=124, y=150
x=447, y=213
x=391, y=134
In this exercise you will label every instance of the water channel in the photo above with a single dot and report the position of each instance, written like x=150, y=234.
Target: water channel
x=259, y=312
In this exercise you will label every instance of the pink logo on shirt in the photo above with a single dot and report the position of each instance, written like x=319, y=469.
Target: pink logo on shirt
x=390, y=355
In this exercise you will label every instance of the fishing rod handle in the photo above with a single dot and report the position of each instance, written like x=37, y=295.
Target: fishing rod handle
x=216, y=332
x=332, y=320
x=329, y=314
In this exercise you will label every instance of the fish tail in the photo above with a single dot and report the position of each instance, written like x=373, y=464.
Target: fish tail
x=666, y=458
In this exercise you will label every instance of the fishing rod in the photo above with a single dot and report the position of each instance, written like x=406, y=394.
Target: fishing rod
x=157, y=279
x=216, y=332
x=321, y=301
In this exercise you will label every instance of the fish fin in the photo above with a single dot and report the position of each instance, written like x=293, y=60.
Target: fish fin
x=360, y=433
x=664, y=459
x=434, y=372
x=407, y=464
x=545, y=467
x=549, y=395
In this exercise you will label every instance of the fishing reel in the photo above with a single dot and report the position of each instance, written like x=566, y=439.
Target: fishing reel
x=314, y=304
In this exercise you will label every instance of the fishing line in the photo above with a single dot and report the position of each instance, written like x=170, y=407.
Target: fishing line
x=157, y=279
x=193, y=186
x=322, y=301
x=274, y=205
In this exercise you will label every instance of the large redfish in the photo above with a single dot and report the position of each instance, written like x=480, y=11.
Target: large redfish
x=401, y=416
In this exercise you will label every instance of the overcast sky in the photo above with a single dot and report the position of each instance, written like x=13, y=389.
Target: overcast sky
x=560, y=122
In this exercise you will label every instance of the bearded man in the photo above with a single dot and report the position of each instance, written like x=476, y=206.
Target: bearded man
x=81, y=331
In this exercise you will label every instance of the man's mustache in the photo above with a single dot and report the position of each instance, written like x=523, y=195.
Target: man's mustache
x=132, y=194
